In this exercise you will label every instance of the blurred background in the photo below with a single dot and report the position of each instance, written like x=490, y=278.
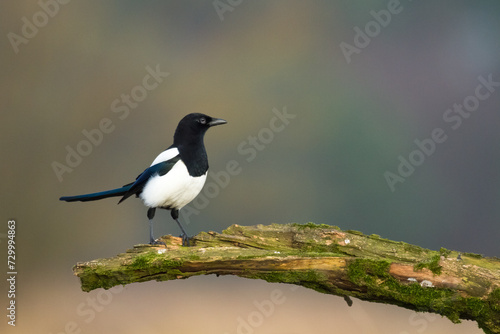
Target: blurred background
x=355, y=89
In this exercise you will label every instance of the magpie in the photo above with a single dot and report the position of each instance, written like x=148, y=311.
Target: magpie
x=175, y=177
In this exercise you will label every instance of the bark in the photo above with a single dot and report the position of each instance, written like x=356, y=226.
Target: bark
x=323, y=258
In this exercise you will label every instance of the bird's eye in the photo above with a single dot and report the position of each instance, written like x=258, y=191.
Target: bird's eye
x=203, y=120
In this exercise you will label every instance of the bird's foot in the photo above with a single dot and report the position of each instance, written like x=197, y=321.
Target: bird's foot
x=157, y=242
x=185, y=240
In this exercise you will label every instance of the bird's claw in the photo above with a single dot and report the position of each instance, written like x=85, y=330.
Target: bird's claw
x=157, y=243
x=185, y=240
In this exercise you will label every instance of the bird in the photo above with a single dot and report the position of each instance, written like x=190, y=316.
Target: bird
x=174, y=178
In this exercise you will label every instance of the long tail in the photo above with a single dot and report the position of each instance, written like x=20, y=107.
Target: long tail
x=96, y=196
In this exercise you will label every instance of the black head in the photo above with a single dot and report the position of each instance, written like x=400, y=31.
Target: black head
x=192, y=128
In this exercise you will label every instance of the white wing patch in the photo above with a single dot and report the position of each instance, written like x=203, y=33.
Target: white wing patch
x=173, y=190
x=166, y=155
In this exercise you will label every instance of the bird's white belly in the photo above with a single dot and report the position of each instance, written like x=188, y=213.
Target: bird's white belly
x=173, y=190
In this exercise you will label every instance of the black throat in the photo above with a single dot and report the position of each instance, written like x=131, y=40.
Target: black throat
x=194, y=157
x=191, y=148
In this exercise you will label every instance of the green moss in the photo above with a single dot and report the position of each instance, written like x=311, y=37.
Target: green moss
x=379, y=238
x=289, y=276
x=374, y=280
x=475, y=309
x=170, y=263
x=494, y=300
x=416, y=250
x=311, y=225
x=365, y=271
x=308, y=278
x=315, y=247
x=474, y=255
x=444, y=252
x=153, y=261
x=312, y=254
x=432, y=264
x=245, y=257
x=355, y=232
x=193, y=257
x=143, y=260
x=97, y=277
x=484, y=262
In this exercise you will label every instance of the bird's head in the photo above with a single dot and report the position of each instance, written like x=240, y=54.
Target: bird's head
x=193, y=126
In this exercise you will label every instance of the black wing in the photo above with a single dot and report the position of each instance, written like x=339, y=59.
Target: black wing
x=161, y=168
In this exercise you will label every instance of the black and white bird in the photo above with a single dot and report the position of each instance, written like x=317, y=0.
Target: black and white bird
x=175, y=177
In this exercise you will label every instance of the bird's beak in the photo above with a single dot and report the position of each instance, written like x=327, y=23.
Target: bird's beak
x=217, y=121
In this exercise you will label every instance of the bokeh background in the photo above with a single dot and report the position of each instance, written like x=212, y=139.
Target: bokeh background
x=239, y=60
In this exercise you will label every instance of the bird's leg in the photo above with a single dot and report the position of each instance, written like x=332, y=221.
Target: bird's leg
x=151, y=238
x=152, y=241
x=184, y=236
x=185, y=239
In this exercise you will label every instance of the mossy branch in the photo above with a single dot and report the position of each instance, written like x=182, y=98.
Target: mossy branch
x=323, y=258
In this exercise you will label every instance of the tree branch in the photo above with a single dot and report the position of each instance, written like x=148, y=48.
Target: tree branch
x=323, y=258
